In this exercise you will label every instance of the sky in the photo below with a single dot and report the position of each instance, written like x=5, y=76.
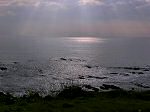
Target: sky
x=75, y=18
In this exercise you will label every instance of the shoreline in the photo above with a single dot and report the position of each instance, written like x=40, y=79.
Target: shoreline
x=76, y=99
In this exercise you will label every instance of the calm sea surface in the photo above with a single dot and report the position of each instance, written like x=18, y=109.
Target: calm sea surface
x=102, y=51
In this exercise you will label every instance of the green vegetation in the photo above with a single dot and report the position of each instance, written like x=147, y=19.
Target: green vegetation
x=74, y=99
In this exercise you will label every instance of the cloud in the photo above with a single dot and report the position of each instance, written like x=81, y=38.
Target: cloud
x=90, y=2
x=10, y=7
x=16, y=2
x=45, y=17
x=34, y=3
x=5, y=2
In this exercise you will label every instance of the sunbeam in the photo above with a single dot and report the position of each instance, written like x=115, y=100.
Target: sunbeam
x=74, y=55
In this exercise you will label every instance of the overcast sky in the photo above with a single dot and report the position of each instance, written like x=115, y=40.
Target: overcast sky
x=60, y=18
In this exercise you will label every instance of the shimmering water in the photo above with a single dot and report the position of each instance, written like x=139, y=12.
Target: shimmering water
x=46, y=64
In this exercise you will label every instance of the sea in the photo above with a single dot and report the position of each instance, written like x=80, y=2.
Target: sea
x=49, y=64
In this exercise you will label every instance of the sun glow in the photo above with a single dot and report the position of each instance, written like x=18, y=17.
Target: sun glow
x=87, y=39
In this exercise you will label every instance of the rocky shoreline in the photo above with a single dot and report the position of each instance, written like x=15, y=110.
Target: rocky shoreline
x=74, y=98
x=52, y=75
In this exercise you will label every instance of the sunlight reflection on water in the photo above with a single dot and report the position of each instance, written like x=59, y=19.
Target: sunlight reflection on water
x=87, y=39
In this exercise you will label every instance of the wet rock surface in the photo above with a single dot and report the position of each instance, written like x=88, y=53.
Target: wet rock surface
x=91, y=88
x=3, y=68
x=141, y=85
x=81, y=77
x=107, y=87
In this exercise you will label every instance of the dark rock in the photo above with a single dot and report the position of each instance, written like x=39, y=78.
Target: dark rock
x=3, y=68
x=63, y=59
x=132, y=68
x=137, y=72
x=15, y=62
x=141, y=85
x=81, y=77
x=124, y=74
x=95, y=89
x=70, y=59
x=107, y=87
x=146, y=70
x=42, y=75
x=133, y=72
x=140, y=73
x=114, y=73
x=92, y=88
x=88, y=66
x=90, y=76
x=40, y=71
x=88, y=86
x=132, y=89
x=73, y=92
x=129, y=68
x=75, y=60
x=96, y=77
x=55, y=78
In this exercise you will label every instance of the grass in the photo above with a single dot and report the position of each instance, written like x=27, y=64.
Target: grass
x=74, y=99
